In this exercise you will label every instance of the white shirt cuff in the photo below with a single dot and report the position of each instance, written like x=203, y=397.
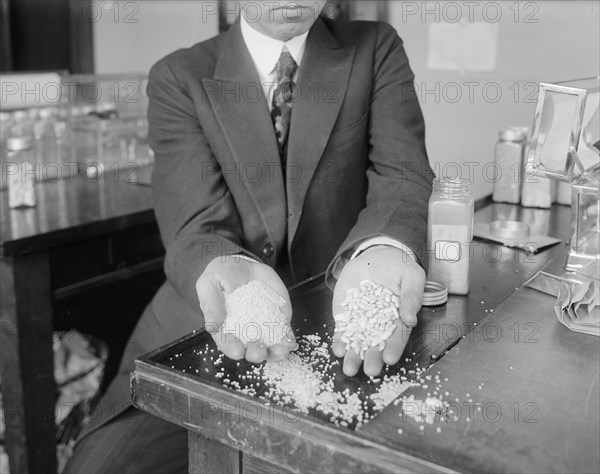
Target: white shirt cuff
x=383, y=241
x=241, y=256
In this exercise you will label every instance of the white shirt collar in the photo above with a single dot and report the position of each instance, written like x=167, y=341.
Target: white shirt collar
x=265, y=51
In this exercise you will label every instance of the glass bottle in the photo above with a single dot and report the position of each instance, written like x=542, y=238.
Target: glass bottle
x=509, y=162
x=6, y=121
x=449, y=233
x=51, y=143
x=45, y=145
x=21, y=171
x=63, y=137
x=536, y=191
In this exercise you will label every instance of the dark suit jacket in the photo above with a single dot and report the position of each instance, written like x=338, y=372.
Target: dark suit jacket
x=356, y=163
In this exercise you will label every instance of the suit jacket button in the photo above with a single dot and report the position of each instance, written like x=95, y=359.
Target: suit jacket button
x=268, y=250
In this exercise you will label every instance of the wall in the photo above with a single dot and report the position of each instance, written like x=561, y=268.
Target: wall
x=132, y=36
x=549, y=41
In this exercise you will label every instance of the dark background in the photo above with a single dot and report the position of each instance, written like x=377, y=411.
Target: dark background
x=46, y=35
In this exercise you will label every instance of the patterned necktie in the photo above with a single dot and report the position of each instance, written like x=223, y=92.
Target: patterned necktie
x=283, y=99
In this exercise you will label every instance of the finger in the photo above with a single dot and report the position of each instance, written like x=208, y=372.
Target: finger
x=340, y=293
x=279, y=351
x=411, y=298
x=394, y=346
x=373, y=362
x=256, y=352
x=287, y=344
x=338, y=346
x=230, y=345
x=352, y=363
x=347, y=280
x=286, y=309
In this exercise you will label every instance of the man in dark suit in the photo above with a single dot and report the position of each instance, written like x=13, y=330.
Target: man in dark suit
x=287, y=147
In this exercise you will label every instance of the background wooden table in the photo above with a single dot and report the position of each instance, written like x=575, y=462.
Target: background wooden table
x=535, y=382
x=82, y=237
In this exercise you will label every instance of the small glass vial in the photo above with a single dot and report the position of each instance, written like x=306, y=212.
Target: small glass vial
x=45, y=146
x=6, y=122
x=509, y=163
x=449, y=233
x=21, y=171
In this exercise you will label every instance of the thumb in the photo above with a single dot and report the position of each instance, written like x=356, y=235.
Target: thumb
x=411, y=297
x=212, y=303
x=346, y=281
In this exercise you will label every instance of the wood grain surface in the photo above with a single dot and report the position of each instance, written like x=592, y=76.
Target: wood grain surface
x=73, y=209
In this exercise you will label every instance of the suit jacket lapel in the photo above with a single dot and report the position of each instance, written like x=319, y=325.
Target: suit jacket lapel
x=322, y=83
x=239, y=105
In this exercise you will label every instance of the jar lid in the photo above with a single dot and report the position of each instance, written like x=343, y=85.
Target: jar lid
x=509, y=229
x=436, y=294
x=24, y=142
x=513, y=134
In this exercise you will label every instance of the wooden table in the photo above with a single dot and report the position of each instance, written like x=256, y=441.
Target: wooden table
x=82, y=234
x=535, y=382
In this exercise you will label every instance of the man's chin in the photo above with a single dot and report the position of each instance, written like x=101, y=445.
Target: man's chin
x=290, y=30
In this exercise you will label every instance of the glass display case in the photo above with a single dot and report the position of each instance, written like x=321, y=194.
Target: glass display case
x=584, y=254
x=565, y=146
x=107, y=114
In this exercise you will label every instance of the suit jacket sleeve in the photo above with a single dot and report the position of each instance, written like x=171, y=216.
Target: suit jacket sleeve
x=196, y=214
x=399, y=176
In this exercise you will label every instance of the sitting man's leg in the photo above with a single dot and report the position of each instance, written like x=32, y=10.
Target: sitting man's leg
x=132, y=442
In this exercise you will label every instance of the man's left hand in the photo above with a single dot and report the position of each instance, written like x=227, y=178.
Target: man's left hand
x=394, y=269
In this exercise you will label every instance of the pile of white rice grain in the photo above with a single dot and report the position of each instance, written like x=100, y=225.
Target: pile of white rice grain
x=369, y=316
x=309, y=379
x=253, y=314
x=389, y=390
x=304, y=380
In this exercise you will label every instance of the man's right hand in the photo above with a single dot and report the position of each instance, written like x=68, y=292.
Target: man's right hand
x=224, y=275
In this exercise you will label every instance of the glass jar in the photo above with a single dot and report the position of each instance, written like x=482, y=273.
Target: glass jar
x=449, y=233
x=509, y=162
x=51, y=145
x=21, y=171
x=5, y=126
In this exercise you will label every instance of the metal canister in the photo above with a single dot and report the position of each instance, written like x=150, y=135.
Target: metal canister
x=509, y=164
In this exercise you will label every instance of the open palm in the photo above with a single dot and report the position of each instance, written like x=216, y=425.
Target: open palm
x=394, y=269
x=223, y=276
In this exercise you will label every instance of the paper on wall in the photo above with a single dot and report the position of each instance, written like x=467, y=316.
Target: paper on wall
x=463, y=46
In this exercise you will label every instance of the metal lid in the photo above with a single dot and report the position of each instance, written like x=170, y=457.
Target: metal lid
x=436, y=294
x=509, y=229
x=513, y=134
x=19, y=143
